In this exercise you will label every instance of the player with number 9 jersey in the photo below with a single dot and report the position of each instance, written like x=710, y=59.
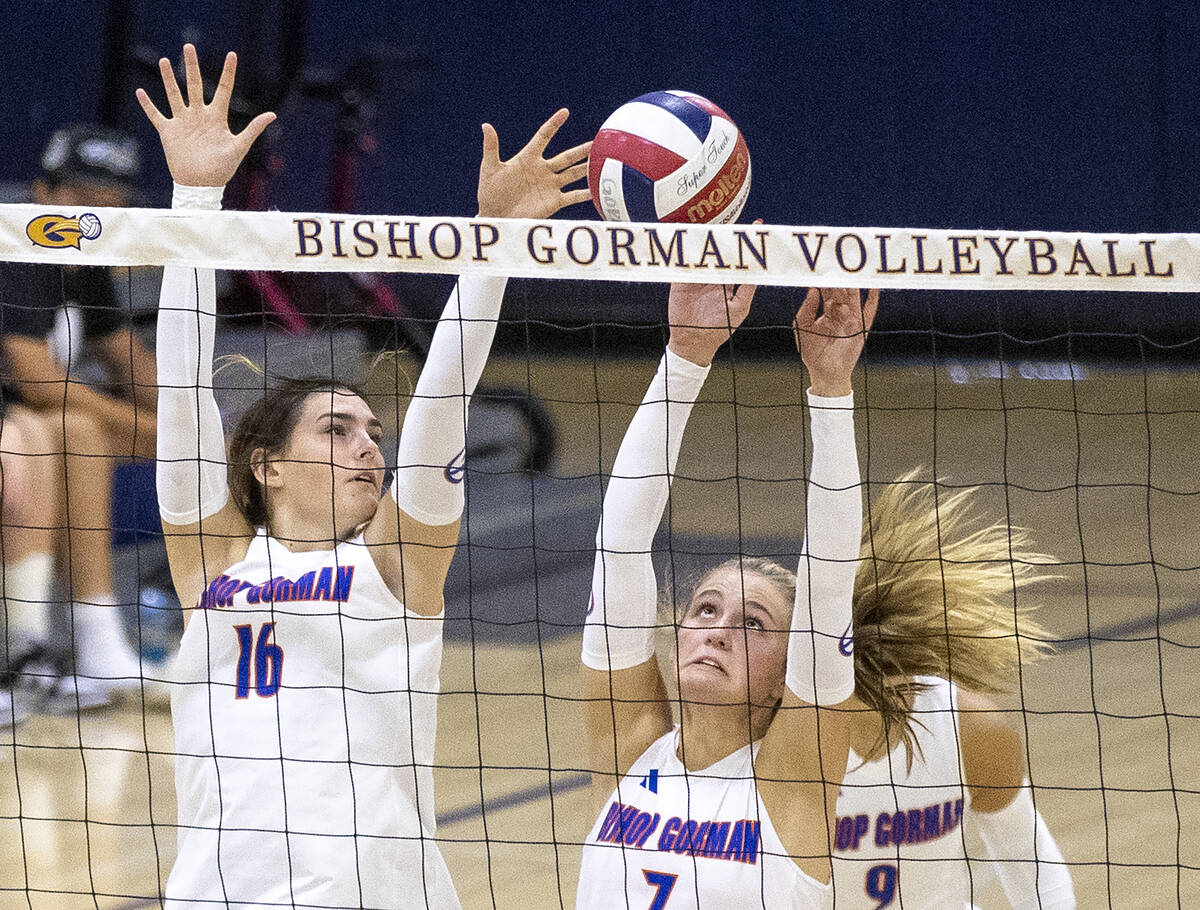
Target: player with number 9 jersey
x=892, y=814
x=929, y=823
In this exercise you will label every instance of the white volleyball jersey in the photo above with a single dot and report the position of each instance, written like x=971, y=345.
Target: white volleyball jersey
x=672, y=839
x=899, y=832
x=305, y=709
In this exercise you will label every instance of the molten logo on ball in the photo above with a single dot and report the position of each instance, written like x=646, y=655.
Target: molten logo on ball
x=715, y=197
x=669, y=156
x=56, y=231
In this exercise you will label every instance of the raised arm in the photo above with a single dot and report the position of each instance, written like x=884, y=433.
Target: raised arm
x=432, y=451
x=621, y=679
x=820, y=652
x=831, y=328
x=803, y=755
x=201, y=523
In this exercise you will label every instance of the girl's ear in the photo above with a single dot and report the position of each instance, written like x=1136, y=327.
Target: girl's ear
x=264, y=468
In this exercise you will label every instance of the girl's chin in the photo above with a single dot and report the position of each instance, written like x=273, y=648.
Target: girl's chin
x=709, y=694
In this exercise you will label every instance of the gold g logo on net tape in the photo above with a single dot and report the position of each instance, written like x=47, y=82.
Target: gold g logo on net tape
x=56, y=231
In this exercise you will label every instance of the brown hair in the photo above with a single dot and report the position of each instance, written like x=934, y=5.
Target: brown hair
x=933, y=597
x=268, y=425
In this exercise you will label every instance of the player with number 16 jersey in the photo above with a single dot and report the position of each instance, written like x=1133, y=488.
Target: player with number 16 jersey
x=304, y=708
x=288, y=680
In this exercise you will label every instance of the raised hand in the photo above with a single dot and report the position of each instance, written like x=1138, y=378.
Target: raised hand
x=704, y=316
x=528, y=185
x=831, y=328
x=200, y=149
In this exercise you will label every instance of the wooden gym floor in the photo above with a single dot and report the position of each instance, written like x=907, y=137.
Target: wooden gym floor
x=1101, y=470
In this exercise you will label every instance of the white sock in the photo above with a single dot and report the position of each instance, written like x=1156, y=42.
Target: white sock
x=26, y=591
x=102, y=650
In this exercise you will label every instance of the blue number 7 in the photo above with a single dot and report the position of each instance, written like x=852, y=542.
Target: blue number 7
x=664, y=882
x=881, y=884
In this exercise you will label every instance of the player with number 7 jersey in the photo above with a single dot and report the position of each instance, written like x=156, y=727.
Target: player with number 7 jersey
x=732, y=806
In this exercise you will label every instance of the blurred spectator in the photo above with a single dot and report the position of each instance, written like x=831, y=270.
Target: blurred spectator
x=71, y=433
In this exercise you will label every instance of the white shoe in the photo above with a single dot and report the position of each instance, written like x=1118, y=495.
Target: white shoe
x=104, y=656
x=41, y=684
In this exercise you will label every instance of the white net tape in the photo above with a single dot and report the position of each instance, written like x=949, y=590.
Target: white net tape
x=732, y=254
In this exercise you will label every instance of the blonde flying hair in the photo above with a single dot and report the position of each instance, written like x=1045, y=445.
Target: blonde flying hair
x=937, y=594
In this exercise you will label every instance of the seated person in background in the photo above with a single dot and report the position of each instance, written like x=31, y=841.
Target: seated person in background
x=33, y=515
x=75, y=429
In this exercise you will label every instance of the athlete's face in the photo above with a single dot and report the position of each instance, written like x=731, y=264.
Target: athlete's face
x=732, y=643
x=332, y=467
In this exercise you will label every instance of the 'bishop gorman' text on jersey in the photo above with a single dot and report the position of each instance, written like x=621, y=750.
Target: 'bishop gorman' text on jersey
x=736, y=841
x=330, y=583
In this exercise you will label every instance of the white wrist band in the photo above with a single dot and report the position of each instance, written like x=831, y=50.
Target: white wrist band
x=619, y=630
x=431, y=461
x=820, y=669
x=207, y=198
x=191, y=473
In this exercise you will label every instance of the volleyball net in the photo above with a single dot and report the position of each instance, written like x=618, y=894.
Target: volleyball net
x=1053, y=373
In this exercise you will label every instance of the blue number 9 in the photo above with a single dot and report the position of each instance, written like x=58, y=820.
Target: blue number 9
x=881, y=885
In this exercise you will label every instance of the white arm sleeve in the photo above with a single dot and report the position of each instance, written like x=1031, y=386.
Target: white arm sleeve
x=191, y=475
x=1013, y=837
x=619, y=630
x=430, y=465
x=820, y=668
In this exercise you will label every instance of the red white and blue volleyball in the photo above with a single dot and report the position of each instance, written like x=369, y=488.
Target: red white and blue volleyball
x=669, y=156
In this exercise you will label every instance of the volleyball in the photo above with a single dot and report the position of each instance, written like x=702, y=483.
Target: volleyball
x=669, y=156
x=89, y=226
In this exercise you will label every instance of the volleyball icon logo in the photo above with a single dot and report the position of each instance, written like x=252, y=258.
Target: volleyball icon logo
x=57, y=231
x=89, y=226
x=669, y=156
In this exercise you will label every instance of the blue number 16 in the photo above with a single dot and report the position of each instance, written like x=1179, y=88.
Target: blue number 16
x=268, y=661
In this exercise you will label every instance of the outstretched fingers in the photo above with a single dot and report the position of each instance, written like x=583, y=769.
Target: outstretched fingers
x=224, y=92
x=153, y=114
x=869, y=309
x=574, y=197
x=745, y=295
x=191, y=70
x=573, y=173
x=174, y=97
x=572, y=156
x=199, y=147
x=807, y=314
x=546, y=132
x=253, y=130
x=847, y=311
x=491, y=146
x=803, y=321
x=737, y=305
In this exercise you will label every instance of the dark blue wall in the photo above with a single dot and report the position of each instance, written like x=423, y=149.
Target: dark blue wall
x=1016, y=115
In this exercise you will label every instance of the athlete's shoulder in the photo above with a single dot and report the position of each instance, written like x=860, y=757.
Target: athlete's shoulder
x=993, y=751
